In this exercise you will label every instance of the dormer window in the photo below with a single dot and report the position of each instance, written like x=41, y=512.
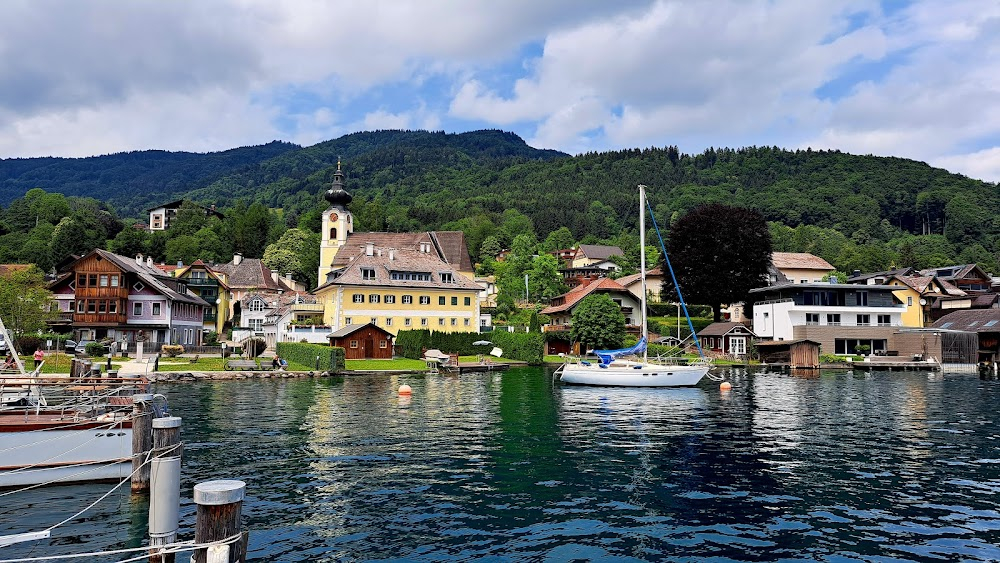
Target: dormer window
x=446, y=277
x=368, y=273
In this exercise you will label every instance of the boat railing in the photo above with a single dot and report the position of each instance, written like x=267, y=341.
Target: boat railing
x=65, y=396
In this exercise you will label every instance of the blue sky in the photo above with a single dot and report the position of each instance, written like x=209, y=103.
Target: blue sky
x=918, y=79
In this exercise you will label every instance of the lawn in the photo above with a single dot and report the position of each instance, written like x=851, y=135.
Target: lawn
x=380, y=365
x=214, y=363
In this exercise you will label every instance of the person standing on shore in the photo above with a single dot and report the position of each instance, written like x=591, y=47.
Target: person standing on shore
x=39, y=357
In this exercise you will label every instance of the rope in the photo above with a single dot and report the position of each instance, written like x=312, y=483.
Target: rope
x=177, y=547
x=676, y=285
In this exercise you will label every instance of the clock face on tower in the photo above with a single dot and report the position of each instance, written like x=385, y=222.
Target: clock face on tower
x=333, y=216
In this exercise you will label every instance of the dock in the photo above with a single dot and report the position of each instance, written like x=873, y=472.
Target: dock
x=876, y=365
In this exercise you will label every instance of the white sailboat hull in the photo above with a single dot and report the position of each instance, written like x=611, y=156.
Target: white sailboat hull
x=633, y=375
x=64, y=456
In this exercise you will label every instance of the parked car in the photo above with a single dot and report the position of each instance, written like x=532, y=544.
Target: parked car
x=70, y=346
x=81, y=346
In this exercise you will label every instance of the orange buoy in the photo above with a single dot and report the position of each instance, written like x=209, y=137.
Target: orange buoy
x=725, y=386
x=404, y=389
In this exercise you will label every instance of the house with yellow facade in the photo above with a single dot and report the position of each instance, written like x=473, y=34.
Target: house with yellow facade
x=918, y=293
x=396, y=281
x=207, y=284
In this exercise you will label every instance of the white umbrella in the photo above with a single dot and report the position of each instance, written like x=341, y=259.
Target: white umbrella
x=482, y=343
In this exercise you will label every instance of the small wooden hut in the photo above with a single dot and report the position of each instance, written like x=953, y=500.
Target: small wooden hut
x=363, y=342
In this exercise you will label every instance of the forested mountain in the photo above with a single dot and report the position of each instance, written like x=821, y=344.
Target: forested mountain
x=861, y=212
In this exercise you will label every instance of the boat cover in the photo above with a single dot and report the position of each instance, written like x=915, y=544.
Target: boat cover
x=608, y=356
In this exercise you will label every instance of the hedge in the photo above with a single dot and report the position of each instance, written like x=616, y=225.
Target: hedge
x=331, y=358
x=522, y=346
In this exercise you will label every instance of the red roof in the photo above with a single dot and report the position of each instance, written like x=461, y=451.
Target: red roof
x=799, y=260
x=600, y=285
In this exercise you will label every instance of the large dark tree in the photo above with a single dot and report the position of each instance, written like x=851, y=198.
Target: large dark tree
x=719, y=253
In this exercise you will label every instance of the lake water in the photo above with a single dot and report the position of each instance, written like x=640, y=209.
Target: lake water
x=505, y=467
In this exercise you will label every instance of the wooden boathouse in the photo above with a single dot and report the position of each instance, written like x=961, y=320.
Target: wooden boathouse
x=363, y=342
x=796, y=354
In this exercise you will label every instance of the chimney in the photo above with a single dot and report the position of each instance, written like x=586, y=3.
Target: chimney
x=274, y=277
x=138, y=259
x=392, y=255
x=149, y=261
x=856, y=273
x=180, y=263
x=237, y=258
x=833, y=279
x=369, y=248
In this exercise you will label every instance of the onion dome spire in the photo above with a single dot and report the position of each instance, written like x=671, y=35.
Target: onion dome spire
x=337, y=195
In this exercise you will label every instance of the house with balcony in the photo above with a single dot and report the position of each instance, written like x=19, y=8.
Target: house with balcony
x=590, y=254
x=105, y=295
x=841, y=317
x=654, y=285
x=249, y=276
x=161, y=216
x=207, y=284
x=560, y=311
x=298, y=317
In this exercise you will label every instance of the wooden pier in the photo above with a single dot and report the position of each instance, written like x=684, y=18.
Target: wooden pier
x=863, y=366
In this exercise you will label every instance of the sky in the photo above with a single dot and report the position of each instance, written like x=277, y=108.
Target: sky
x=915, y=79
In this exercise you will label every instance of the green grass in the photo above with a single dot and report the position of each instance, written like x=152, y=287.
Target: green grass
x=215, y=363
x=376, y=365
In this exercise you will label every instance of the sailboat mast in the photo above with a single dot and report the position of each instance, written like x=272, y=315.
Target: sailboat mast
x=642, y=264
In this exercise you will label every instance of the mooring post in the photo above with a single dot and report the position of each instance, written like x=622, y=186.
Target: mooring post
x=142, y=440
x=165, y=486
x=218, y=518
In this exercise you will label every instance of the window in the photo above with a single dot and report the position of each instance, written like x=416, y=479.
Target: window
x=383, y=344
x=256, y=305
x=446, y=277
x=803, y=281
x=468, y=301
x=347, y=320
x=91, y=306
x=425, y=299
x=367, y=273
x=454, y=322
x=80, y=306
x=423, y=322
x=374, y=298
x=844, y=346
x=440, y=321
x=255, y=324
x=909, y=301
x=390, y=299
x=137, y=286
x=407, y=299
x=812, y=318
x=990, y=323
x=81, y=280
x=113, y=307
x=359, y=298
x=833, y=319
x=102, y=307
x=354, y=344
x=104, y=280
x=388, y=321
x=114, y=280
x=406, y=322
x=861, y=298
x=92, y=280
x=137, y=309
x=441, y=300
x=884, y=320
x=454, y=301
x=156, y=309
x=864, y=320
x=374, y=320
x=466, y=322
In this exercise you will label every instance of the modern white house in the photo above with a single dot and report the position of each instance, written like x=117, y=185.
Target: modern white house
x=841, y=317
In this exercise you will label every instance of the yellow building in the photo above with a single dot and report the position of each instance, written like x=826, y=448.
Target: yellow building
x=397, y=281
x=918, y=293
x=210, y=286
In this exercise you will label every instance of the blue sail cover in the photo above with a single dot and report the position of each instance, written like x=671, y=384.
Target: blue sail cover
x=607, y=356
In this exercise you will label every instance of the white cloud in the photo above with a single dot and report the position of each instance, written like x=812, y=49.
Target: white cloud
x=984, y=164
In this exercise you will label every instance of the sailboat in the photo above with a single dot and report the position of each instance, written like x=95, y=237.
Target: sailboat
x=614, y=368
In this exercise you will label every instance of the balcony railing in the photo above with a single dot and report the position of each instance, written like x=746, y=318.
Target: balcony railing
x=209, y=316
x=307, y=307
x=201, y=282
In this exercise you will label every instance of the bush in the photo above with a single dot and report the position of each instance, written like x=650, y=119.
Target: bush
x=256, y=347
x=412, y=343
x=522, y=346
x=169, y=350
x=331, y=358
x=94, y=349
x=211, y=338
x=28, y=344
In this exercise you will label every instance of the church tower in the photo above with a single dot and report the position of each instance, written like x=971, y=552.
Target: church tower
x=337, y=224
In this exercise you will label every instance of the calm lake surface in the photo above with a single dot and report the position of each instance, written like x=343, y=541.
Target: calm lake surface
x=506, y=467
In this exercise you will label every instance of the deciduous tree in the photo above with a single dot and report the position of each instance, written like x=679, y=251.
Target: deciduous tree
x=598, y=322
x=719, y=253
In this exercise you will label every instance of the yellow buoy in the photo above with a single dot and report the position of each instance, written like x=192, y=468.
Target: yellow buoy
x=725, y=386
x=405, y=390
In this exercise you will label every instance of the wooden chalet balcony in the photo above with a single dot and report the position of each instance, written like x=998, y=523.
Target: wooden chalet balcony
x=98, y=319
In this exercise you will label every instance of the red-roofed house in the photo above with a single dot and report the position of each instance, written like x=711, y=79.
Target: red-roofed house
x=560, y=311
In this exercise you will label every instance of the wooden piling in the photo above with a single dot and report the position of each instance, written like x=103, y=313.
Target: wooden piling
x=220, y=504
x=142, y=440
x=165, y=485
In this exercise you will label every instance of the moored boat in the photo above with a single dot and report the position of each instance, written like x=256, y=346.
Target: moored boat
x=613, y=369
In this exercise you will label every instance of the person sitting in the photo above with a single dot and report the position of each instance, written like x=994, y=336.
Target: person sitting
x=275, y=362
x=9, y=362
